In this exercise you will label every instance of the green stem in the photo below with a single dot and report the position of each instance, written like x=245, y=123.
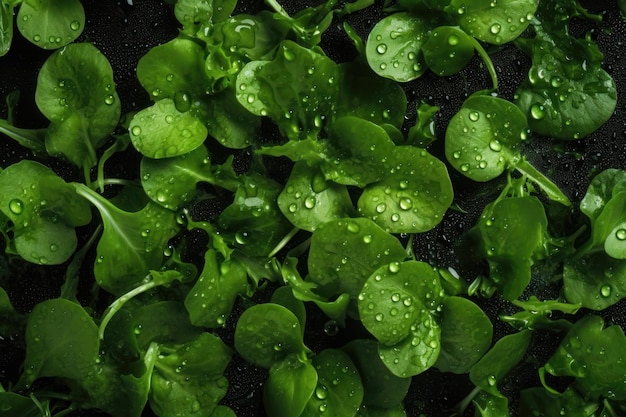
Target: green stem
x=487, y=60
x=548, y=187
x=283, y=242
x=460, y=408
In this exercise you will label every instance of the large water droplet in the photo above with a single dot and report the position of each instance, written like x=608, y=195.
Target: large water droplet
x=537, y=111
x=16, y=206
x=381, y=48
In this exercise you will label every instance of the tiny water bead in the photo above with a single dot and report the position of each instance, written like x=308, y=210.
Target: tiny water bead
x=109, y=99
x=537, y=111
x=381, y=48
x=453, y=40
x=621, y=234
x=75, y=25
x=16, y=206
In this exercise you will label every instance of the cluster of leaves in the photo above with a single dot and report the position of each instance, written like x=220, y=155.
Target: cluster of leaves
x=359, y=184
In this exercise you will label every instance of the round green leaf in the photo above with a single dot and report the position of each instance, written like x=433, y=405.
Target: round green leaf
x=267, y=333
x=393, y=47
x=51, y=24
x=161, y=131
x=413, y=196
x=447, y=50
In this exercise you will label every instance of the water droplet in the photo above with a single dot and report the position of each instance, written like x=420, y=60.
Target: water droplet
x=474, y=116
x=395, y=297
x=605, y=290
x=537, y=111
x=288, y=54
x=381, y=48
x=16, y=206
x=465, y=167
x=250, y=99
x=136, y=131
x=495, y=28
x=379, y=317
x=367, y=239
x=309, y=203
x=109, y=99
x=169, y=77
x=37, y=38
x=406, y=203
x=353, y=227
x=495, y=145
x=491, y=380
x=381, y=208
x=292, y=208
x=453, y=40
x=321, y=392
x=621, y=234
x=331, y=328
x=53, y=247
x=75, y=25
x=394, y=267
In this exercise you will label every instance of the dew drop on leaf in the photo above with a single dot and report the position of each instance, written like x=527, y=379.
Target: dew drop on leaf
x=474, y=116
x=537, y=111
x=605, y=290
x=621, y=234
x=381, y=48
x=16, y=206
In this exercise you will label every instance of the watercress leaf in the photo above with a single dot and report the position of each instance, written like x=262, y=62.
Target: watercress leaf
x=6, y=27
x=289, y=386
x=297, y=89
x=598, y=374
x=447, y=50
x=345, y=252
x=363, y=94
x=466, y=334
x=17, y=405
x=75, y=91
x=62, y=341
x=189, y=377
x=596, y=280
x=309, y=200
x=253, y=222
x=482, y=139
x=422, y=133
x=395, y=297
x=172, y=70
x=356, y=151
x=43, y=210
x=310, y=150
x=171, y=182
x=33, y=139
x=543, y=403
x=382, y=389
x=161, y=131
x=413, y=196
x=339, y=390
x=393, y=47
x=191, y=13
x=418, y=352
x=285, y=297
x=602, y=188
x=268, y=333
x=211, y=299
x=493, y=367
x=489, y=405
x=51, y=24
x=608, y=229
x=131, y=244
x=228, y=121
x=161, y=322
x=493, y=22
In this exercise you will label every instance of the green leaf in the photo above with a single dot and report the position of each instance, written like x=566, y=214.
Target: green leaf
x=494, y=366
x=62, y=341
x=466, y=334
x=339, y=390
x=161, y=131
x=187, y=379
x=44, y=210
x=51, y=24
x=345, y=252
x=448, y=50
x=131, y=244
x=76, y=92
x=382, y=389
x=412, y=197
x=543, y=403
x=268, y=333
x=289, y=387
x=594, y=355
x=17, y=405
x=489, y=405
x=308, y=199
x=6, y=27
x=393, y=47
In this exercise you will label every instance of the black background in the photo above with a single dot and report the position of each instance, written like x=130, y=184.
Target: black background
x=124, y=33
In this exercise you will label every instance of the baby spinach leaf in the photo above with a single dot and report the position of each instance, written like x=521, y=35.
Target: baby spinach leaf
x=76, y=92
x=339, y=390
x=345, y=252
x=466, y=334
x=161, y=131
x=62, y=341
x=6, y=27
x=289, y=387
x=189, y=380
x=211, y=299
x=382, y=389
x=493, y=367
x=268, y=333
x=511, y=232
x=393, y=47
x=396, y=305
x=447, y=50
x=483, y=138
x=43, y=210
x=597, y=374
x=51, y=24
x=131, y=244
x=171, y=182
x=363, y=94
x=595, y=280
x=253, y=222
x=297, y=89
x=413, y=196
x=309, y=200
x=567, y=94
x=285, y=297
x=493, y=22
